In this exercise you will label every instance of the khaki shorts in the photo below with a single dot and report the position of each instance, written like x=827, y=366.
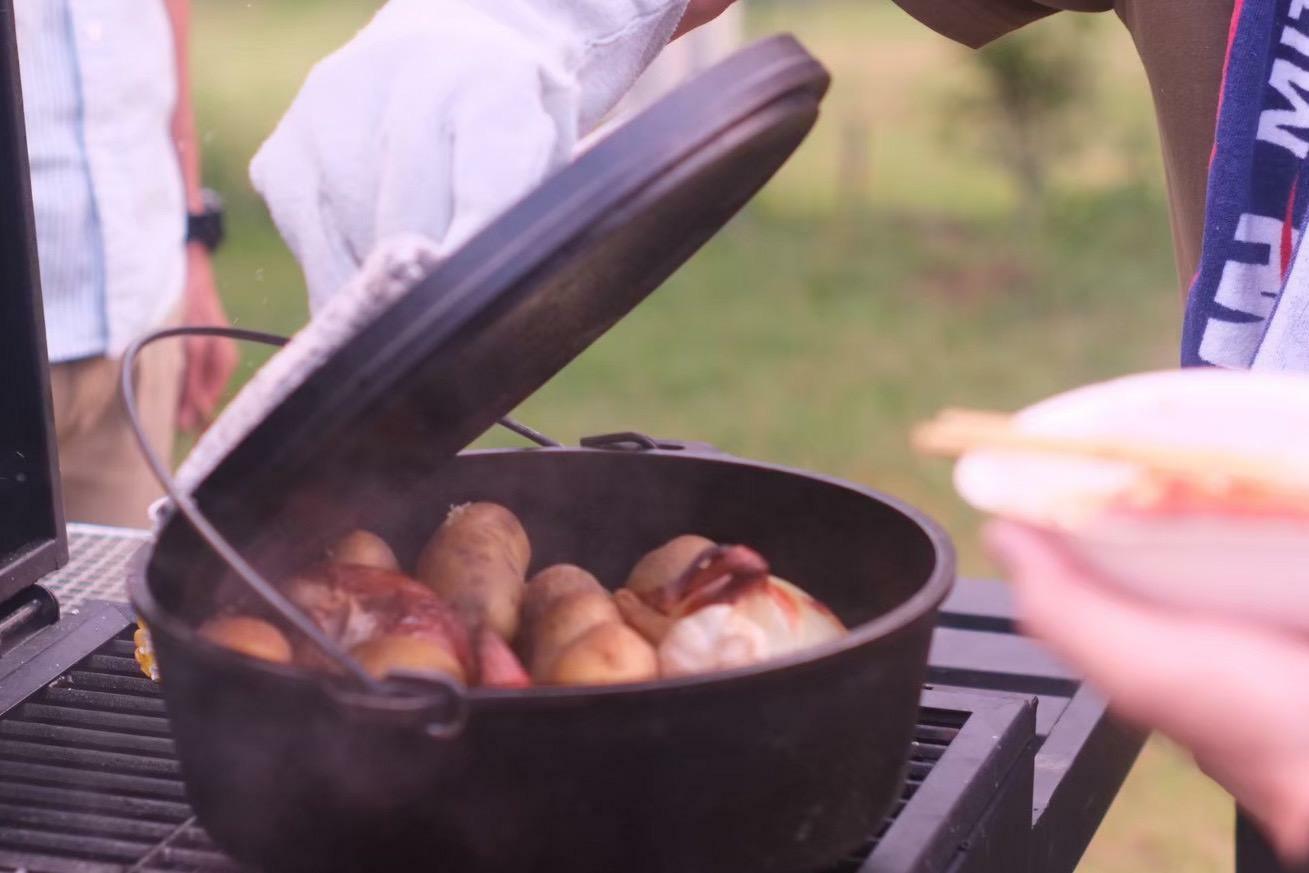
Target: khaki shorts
x=105, y=479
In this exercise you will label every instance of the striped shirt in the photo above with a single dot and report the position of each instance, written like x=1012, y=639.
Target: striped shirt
x=99, y=88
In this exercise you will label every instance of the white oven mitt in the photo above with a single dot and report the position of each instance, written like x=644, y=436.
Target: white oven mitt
x=437, y=116
x=440, y=114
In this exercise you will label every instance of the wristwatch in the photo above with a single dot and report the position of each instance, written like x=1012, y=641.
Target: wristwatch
x=206, y=227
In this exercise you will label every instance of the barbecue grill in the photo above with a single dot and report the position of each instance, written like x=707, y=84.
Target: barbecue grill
x=1012, y=767
x=88, y=783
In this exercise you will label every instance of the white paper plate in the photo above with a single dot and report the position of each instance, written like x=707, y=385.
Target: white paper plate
x=1251, y=567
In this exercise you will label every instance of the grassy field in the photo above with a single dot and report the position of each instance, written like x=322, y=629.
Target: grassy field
x=815, y=330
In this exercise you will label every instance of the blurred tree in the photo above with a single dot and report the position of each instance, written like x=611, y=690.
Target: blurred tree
x=1024, y=102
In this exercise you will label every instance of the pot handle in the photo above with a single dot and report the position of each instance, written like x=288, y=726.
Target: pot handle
x=414, y=699
x=439, y=705
x=631, y=441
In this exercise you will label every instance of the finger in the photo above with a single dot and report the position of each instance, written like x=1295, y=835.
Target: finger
x=459, y=199
x=226, y=356
x=1042, y=576
x=186, y=418
x=1212, y=685
x=700, y=13
x=215, y=362
x=1124, y=652
x=1275, y=797
x=185, y=411
x=208, y=384
x=1233, y=693
x=190, y=409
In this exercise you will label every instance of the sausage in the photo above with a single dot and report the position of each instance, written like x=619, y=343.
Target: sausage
x=477, y=561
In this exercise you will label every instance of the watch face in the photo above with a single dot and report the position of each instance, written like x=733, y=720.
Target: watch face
x=206, y=228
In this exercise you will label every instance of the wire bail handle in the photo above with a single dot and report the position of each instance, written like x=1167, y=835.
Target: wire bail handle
x=439, y=704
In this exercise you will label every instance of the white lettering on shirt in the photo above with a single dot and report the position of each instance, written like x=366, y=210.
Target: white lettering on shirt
x=1276, y=126
x=1296, y=40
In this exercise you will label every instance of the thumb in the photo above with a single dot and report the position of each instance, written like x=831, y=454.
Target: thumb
x=304, y=204
x=1021, y=550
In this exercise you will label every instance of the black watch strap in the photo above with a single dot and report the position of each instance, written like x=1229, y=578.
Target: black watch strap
x=206, y=227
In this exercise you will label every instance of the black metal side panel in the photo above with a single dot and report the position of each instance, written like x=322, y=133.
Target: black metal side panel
x=979, y=793
x=32, y=538
x=1000, y=842
x=1079, y=770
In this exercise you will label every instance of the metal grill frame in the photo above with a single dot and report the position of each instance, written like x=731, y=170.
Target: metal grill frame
x=1040, y=817
x=966, y=745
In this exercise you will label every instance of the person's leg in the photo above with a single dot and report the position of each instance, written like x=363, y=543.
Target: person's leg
x=105, y=479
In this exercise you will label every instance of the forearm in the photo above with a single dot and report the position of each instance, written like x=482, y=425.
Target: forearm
x=183, y=126
x=699, y=13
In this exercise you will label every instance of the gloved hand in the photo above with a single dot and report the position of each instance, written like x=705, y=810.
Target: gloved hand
x=441, y=113
x=1234, y=693
x=433, y=119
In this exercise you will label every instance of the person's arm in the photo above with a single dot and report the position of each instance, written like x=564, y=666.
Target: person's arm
x=701, y=12
x=209, y=360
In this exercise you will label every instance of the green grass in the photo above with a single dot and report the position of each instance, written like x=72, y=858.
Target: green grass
x=816, y=329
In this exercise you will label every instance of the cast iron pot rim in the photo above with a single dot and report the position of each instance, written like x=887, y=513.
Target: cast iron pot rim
x=927, y=598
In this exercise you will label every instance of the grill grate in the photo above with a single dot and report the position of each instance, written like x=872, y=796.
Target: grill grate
x=97, y=565
x=89, y=784
x=88, y=781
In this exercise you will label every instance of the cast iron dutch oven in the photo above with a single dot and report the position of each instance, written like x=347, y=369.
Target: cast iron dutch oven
x=783, y=767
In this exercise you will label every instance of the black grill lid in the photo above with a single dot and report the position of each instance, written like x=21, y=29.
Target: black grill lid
x=515, y=305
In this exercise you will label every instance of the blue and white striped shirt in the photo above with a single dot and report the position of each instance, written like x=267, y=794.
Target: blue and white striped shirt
x=99, y=89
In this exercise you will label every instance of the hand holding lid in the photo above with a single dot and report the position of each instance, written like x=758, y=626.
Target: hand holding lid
x=439, y=114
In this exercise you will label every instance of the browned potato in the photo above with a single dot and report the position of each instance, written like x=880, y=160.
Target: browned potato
x=658, y=568
x=363, y=549
x=548, y=587
x=477, y=561
x=249, y=636
x=564, y=622
x=486, y=524
x=641, y=617
x=392, y=653
x=608, y=654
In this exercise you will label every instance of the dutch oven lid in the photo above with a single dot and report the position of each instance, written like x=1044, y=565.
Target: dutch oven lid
x=506, y=312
